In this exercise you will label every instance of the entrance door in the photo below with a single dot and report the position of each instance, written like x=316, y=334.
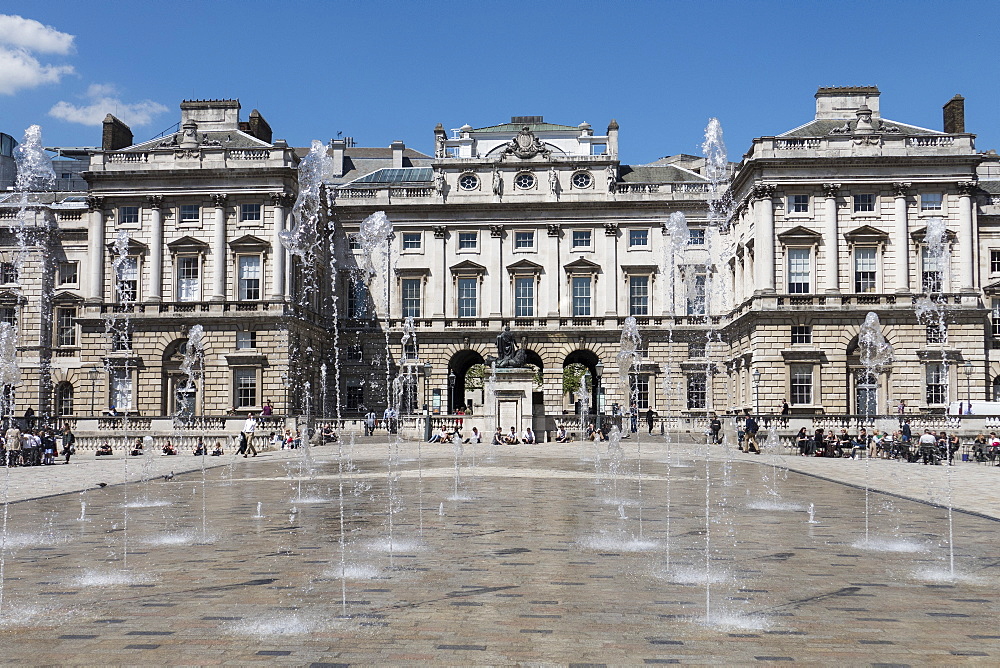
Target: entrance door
x=184, y=396
x=866, y=393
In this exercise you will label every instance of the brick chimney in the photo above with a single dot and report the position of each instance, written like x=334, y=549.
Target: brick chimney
x=337, y=147
x=954, y=115
x=257, y=127
x=397, y=154
x=116, y=134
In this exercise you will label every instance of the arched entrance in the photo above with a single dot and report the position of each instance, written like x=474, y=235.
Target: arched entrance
x=180, y=395
x=467, y=369
x=581, y=381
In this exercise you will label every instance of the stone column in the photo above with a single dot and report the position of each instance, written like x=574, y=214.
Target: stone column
x=966, y=248
x=156, y=249
x=831, y=238
x=901, y=237
x=738, y=287
x=219, y=249
x=763, y=244
x=95, y=249
x=282, y=203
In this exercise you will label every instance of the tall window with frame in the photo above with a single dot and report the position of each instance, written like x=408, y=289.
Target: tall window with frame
x=581, y=296
x=524, y=297
x=801, y=384
x=638, y=295
x=8, y=273
x=932, y=270
x=248, y=277
x=121, y=336
x=127, y=279
x=188, y=279
x=65, y=327
x=245, y=387
x=937, y=333
x=64, y=399
x=467, y=297
x=799, y=270
x=642, y=390
x=995, y=317
x=121, y=389
x=696, y=294
x=8, y=314
x=936, y=383
x=994, y=261
x=410, y=291
x=696, y=391
x=354, y=394
x=357, y=299
x=865, y=269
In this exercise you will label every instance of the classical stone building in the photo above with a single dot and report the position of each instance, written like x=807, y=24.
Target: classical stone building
x=755, y=297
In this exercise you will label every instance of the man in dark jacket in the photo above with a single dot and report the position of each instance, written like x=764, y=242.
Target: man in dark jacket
x=751, y=432
x=715, y=427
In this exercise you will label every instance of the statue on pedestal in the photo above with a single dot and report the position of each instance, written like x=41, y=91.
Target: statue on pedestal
x=509, y=356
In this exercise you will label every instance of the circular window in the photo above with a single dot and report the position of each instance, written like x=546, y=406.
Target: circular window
x=524, y=181
x=468, y=182
x=582, y=180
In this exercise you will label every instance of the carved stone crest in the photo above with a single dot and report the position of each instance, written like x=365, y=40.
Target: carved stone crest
x=525, y=145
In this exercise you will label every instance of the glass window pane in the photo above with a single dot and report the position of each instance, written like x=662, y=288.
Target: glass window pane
x=798, y=270
x=467, y=297
x=581, y=295
x=524, y=297
x=638, y=290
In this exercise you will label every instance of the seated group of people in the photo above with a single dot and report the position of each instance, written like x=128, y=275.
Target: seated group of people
x=513, y=438
x=930, y=447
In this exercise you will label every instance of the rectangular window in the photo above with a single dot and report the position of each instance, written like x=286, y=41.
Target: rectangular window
x=121, y=337
x=798, y=204
x=66, y=327
x=468, y=240
x=864, y=270
x=188, y=283
x=696, y=394
x=127, y=283
x=250, y=212
x=524, y=240
x=696, y=237
x=801, y=390
x=696, y=295
x=8, y=314
x=995, y=261
x=354, y=394
x=245, y=340
x=937, y=333
x=581, y=296
x=994, y=317
x=638, y=295
x=453, y=151
x=8, y=273
x=638, y=238
x=190, y=214
x=69, y=273
x=798, y=270
x=353, y=242
x=128, y=215
x=802, y=334
x=410, y=351
x=411, y=297
x=411, y=240
x=356, y=353
x=357, y=299
x=581, y=238
x=467, y=297
x=249, y=277
x=642, y=391
x=598, y=149
x=245, y=386
x=932, y=274
x=864, y=203
x=524, y=297
x=931, y=201
x=937, y=383
x=697, y=349
x=121, y=389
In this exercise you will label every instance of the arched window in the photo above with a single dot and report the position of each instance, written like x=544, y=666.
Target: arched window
x=64, y=399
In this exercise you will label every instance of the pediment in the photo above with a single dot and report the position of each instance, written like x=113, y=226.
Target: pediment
x=64, y=297
x=866, y=233
x=582, y=265
x=800, y=233
x=467, y=267
x=134, y=247
x=919, y=234
x=991, y=289
x=248, y=242
x=640, y=269
x=188, y=244
x=9, y=296
x=524, y=267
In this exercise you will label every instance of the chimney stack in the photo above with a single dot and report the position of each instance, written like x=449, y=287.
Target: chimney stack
x=397, y=154
x=337, y=146
x=954, y=115
x=116, y=134
x=257, y=127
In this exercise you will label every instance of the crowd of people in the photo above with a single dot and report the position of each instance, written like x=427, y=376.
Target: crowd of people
x=36, y=447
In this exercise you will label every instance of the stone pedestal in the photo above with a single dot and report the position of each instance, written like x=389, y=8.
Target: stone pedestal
x=512, y=404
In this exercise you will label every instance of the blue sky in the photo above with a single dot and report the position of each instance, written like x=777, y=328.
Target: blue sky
x=380, y=71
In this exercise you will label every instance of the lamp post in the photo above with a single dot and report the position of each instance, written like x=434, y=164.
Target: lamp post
x=756, y=391
x=598, y=372
x=968, y=387
x=451, y=391
x=93, y=374
x=427, y=404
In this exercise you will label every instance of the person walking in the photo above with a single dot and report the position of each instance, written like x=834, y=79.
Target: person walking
x=649, y=419
x=715, y=427
x=751, y=430
x=246, y=436
x=633, y=412
x=13, y=440
x=370, y=423
x=68, y=442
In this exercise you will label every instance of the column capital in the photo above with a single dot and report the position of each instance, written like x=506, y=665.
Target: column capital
x=219, y=199
x=900, y=189
x=95, y=202
x=283, y=200
x=610, y=229
x=496, y=231
x=967, y=188
x=831, y=189
x=552, y=229
x=155, y=201
x=763, y=191
x=440, y=231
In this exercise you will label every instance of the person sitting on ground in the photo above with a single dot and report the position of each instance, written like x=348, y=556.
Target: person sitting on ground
x=218, y=452
x=104, y=449
x=439, y=437
x=137, y=448
x=561, y=435
x=592, y=432
x=474, y=437
x=512, y=438
x=498, y=437
x=169, y=449
x=200, y=450
x=529, y=437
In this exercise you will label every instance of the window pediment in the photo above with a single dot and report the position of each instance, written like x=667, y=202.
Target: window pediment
x=640, y=269
x=249, y=244
x=525, y=267
x=919, y=234
x=246, y=359
x=817, y=356
x=188, y=245
x=582, y=266
x=867, y=233
x=467, y=267
x=133, y=247
x=800, y=235
x=64, y=297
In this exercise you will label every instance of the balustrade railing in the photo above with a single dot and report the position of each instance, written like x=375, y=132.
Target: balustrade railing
x=248, y=154
x=127, y=158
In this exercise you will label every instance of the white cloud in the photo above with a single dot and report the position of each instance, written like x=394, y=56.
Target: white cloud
x=19, y=69
x=28, y=34
x=103, y=100
x=20, y=38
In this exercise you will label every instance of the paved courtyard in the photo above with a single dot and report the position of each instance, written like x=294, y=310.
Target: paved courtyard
x=548, y=554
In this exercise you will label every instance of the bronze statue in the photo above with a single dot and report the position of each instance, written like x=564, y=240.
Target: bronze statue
x=509, y=356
